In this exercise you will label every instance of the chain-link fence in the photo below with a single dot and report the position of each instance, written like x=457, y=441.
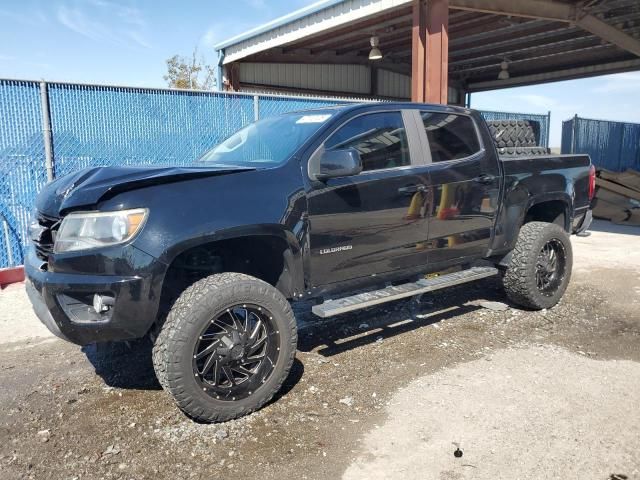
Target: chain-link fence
x=269, y=106
x=97, y=126
x=611, y=145
x=94, y=125
x=22, y=163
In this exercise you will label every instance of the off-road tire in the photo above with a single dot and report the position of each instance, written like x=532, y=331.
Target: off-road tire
x=514, y=133
x=520, y=277
x=522, y=151
x=192, y=311
x=158, y=351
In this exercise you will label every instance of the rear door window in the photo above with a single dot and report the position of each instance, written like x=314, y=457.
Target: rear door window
x=451, y=136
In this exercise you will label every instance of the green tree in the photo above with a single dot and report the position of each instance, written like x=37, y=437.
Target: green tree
x=190, y=73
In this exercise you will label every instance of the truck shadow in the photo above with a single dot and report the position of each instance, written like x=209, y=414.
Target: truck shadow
x=329, y=337
x=128, y=365
x=124, y=365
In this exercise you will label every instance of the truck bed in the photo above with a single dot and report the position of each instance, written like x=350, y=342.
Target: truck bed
x=535, y=163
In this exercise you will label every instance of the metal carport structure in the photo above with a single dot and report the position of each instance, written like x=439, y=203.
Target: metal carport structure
x=435, y=50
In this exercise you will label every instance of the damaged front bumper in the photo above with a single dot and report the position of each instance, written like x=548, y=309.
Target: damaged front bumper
x=64, y=303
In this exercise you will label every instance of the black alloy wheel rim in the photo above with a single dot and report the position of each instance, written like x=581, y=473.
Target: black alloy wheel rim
x=236, y=352
x=550, y=267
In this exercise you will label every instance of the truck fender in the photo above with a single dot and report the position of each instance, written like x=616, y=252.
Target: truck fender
x=515, y=211
x=290, y=281
x=563, y=197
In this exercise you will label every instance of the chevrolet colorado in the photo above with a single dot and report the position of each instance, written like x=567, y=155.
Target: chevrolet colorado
x=319, y=204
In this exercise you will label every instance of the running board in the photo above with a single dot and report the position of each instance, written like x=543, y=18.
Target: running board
x=376, y=297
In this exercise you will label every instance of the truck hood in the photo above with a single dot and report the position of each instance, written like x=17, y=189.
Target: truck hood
x=87, y=187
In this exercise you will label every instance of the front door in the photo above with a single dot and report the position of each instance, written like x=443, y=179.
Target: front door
x=464, y=188
x=376, y=221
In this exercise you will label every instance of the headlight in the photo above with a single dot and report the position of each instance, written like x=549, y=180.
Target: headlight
x=80, y=231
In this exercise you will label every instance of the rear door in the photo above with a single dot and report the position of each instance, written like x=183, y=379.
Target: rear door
x=464, y=187
x=376, y=221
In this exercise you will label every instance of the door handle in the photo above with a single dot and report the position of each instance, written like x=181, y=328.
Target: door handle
x=485, y=179
x=411, y=189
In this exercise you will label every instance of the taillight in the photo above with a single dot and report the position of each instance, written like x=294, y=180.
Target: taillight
x=592, y=182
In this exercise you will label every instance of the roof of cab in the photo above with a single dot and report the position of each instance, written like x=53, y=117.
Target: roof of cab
x=348, y=107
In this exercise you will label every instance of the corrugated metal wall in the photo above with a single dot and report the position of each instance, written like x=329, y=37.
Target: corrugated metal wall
x=611, y=145
x=345, y=80
x=351, y=79
x=355, y=79
x=393, y=85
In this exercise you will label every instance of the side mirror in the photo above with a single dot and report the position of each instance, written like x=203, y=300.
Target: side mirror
x=339, y=163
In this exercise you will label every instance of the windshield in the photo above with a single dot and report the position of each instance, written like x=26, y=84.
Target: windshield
x=268, y=142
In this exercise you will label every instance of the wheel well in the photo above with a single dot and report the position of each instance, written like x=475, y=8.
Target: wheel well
x=553, y=211
x=261, y=256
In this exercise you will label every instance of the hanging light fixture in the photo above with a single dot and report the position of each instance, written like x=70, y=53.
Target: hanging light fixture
x=375, y=53
x=504, y=70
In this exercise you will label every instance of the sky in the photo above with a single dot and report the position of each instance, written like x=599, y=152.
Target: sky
x=608, y=97
x=126, y=42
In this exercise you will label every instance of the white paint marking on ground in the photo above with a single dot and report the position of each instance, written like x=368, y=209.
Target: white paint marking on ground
x=18, y=322
x=608, y=246
x=530, y=413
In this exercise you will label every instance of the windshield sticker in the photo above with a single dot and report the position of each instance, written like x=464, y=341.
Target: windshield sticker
x=313, y=118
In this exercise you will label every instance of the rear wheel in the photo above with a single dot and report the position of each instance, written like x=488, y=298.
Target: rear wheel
x=540, y=267
x=226, y=347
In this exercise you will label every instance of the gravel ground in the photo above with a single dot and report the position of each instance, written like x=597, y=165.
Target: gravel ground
x=383, y=393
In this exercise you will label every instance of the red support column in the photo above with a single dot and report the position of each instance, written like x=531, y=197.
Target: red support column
x=437, y=62
x=418, y=51
x=430, y=51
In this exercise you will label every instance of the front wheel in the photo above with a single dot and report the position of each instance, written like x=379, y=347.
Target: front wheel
x=226, y=347
x=540, y=267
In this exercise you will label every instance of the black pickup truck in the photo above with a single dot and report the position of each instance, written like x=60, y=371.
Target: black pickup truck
x=373, y=198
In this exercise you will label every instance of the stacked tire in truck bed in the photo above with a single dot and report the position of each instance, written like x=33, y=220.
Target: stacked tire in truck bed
x=517, y=137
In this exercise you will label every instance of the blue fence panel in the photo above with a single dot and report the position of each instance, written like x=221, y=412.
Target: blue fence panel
x=566, y=144
x=543, y=121
x=106, y=125
x=630, y=147
x=270, y=106
x=96, y=126
x=22, y=164
x=611, y=145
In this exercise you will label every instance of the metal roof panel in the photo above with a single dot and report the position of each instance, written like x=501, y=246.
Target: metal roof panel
x=278, y=22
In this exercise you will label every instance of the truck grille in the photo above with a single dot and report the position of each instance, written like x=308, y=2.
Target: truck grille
x=43, y=235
